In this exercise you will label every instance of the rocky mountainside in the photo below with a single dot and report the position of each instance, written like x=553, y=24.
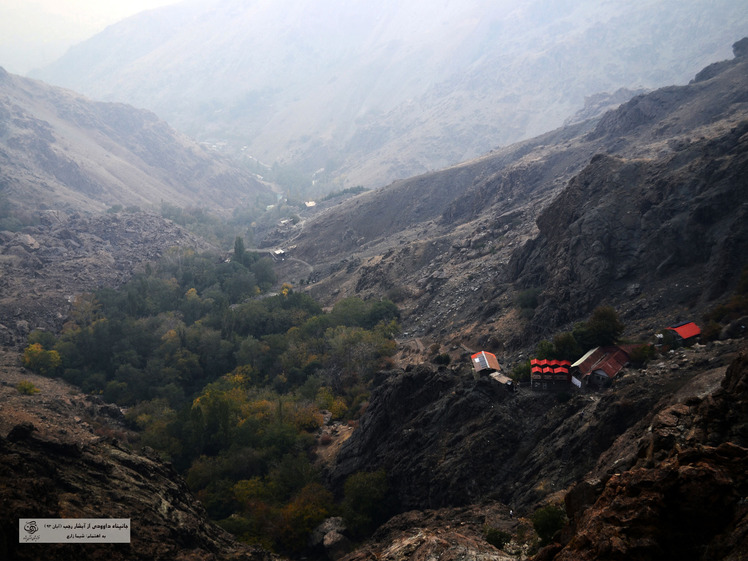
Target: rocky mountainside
x=470, y=441
x=66, y=455
x=643, y=209
x=44, y=268
x=652, y=469
x=378, y=92
x=61, y=151
x=672, y=488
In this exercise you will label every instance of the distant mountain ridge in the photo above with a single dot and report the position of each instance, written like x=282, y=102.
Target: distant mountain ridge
x=61, y=151
x=378, y=92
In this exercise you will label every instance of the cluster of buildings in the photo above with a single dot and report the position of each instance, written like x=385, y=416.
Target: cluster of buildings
x=596, y=369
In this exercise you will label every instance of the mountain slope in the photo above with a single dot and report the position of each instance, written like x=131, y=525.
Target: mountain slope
x=672, y=488
x=649, y=222
x=642, y=209
x=374, y=93
x=59, y=150
x=45, y=267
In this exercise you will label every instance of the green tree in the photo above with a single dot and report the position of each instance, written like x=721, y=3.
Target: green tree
x=566, y=347
x=239, y=251
x=497, y=538
x=545, y=350
x=604, y=326
x=44, y=338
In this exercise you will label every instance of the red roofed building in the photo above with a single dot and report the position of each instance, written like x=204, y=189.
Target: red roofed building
x=549, y=374
x=485, y=362
x=598, y=367
x=686, y=332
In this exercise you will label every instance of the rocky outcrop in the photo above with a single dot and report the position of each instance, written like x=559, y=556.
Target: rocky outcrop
x=683, y=496
x=451, y=534
x=46, y=477
x=331, y=538
x=658, y=223
x=445, y=439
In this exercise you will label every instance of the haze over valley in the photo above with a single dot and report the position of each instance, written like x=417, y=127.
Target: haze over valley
x=341, y=281
x=370, y=92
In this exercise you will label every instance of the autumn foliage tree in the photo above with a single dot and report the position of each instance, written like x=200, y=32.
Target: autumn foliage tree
x=36, y=359
x=229, y=384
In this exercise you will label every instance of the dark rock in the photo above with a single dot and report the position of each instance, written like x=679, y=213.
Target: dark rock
x=21, y=432
x=683, y=499
x=447, y=440
x=736, y=329
x=49, y=479
x=740, y=48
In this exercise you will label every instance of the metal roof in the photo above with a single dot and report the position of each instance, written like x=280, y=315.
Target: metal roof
x=609, y=360
x=686, y=330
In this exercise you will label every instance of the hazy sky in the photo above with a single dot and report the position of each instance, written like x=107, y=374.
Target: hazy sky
x=36, y=32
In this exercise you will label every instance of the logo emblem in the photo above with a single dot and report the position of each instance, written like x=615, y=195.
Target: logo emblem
x=31, y=527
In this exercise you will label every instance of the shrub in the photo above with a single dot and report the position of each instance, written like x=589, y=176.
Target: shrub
x=38, y=360
x=641, y=355
x=711, y=331
x=521, y=371
x=301, y=515
x=442, y=358
x=528, y=299
x=547, y=521
x=26, y=388
x=497, y=538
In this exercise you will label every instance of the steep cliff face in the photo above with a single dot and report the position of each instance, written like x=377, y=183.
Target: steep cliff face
x=670, y=224
x=657, y=224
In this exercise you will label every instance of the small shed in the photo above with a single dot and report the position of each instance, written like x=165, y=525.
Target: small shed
x=686, y=333
x=505, y=381
x=485, y=362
